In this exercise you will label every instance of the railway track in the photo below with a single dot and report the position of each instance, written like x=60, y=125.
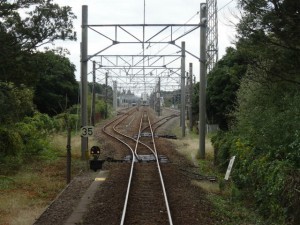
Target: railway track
x=145, y=196
x=160, y=122
x=146, y=199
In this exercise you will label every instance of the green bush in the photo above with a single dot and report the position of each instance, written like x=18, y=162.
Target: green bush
x=264, y=181
x=222, y=143
x=10, y=142
x=34, y=140
x=266, y=143
x=62, y=121
x=16, y=103
x=11, y=147
x=42, y=122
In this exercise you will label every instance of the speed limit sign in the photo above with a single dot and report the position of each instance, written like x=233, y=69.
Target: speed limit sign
x=87, y=131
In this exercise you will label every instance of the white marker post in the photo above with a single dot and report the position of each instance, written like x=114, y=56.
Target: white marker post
x=229, y=168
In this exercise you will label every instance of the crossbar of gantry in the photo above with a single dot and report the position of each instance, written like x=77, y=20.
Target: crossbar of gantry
x=139, y=76
x=163, y=85
x=136, y=60
x=116, y=39
x=137, y=67
x=142, y=72
x=134, y=66
x=150, y=83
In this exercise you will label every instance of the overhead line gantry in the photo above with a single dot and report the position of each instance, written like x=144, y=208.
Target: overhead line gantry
x=130, y=36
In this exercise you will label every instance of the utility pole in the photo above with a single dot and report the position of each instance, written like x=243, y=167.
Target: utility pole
x=84, y=62
x=183, y=88
x=191, y=96
x=93, y=95
x=158, y=97
x=115, y=95
x=187, y=96
x=69, y=154
x=106, y=77
x=202, y=87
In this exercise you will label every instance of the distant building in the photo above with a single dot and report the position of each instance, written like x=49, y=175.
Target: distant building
x=126, y=100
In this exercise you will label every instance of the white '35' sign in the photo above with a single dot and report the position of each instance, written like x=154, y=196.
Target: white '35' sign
x=87, y=131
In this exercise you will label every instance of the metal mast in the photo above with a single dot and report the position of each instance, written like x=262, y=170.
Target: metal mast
x=212, y=34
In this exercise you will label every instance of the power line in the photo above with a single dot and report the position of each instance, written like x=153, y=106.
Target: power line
x=225, y=6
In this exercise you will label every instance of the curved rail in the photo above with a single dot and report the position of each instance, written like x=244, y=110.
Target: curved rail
x=161, y=177
x=167, y=118
x=132, y=162
x=130, y=180
x=154, y=151
x=135, y=156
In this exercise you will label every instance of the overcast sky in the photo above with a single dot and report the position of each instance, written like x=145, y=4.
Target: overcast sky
x=157, y=12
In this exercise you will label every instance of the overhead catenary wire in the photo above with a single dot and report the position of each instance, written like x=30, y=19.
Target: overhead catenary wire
x=224, y=6
x=145, y=48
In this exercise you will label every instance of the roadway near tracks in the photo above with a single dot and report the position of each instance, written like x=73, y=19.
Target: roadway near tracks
x=159, y=191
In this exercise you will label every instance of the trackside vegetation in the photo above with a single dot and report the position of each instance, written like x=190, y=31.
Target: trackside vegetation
x=38, y=89
x=253, y=93
x=257, y=104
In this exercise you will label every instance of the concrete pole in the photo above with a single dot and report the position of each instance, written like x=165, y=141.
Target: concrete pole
x=183, y=88
x=202, y=87
x=187, y=96
x=115, y=95
x=155, y=99
x=69, y=154
x=158, y=97
x=106, y=77
x=84, y=62
x=191, y=96
x=93, y=95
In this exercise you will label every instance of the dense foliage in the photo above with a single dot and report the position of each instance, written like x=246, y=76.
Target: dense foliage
x=100, y=90
x=31, y=80
x=16, y=103
x=264, y=122
x=56, y=88
x=23, y=140
x=25, y=26
x=222, y=84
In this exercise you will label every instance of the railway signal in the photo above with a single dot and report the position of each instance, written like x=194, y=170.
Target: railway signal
x=95, y=163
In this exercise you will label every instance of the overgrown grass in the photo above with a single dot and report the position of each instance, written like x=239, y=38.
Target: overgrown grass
x=26, y=193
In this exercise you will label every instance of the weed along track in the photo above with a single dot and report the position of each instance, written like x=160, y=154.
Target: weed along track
x=144, y=183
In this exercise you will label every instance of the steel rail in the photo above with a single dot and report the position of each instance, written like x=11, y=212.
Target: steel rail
x=167, y=118
x=123, y=142
x=133, y=139
x=161, y=177
x=132, y=162
x=135, y=155
x=130, y=179
x=154, y=151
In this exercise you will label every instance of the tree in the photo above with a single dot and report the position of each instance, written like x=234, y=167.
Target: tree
x=100, y=89
x=56, y=87
x=222, y=84
x=16, y=103
x=269, y=35
x=22, y=33
x=265, y=135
